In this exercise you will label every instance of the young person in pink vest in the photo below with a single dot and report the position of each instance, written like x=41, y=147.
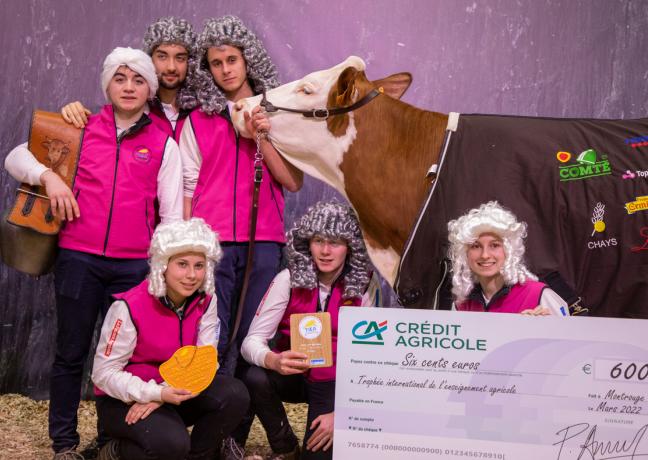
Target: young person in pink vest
x=218, y=168
x=171, y=44
x=486, y=251
x=172, y=308
x=328, y=267
x=126, y=165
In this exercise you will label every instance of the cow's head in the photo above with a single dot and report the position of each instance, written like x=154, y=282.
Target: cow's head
x=56, y=149
x=317, y=146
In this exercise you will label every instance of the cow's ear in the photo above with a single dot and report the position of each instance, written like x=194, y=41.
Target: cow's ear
x=341, y=95
x=395, y=85
x=346, y=87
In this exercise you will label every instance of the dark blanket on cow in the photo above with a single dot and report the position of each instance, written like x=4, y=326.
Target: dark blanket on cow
x=577, y=183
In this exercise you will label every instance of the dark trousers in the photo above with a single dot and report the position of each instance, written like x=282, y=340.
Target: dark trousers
x=163, y=434
x=229, y=282
x=267, y=391
x=83, y=283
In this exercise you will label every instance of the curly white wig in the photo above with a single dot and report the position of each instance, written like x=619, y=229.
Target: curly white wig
x=229, y=30
x=464, y=231
x=136, y=60
x=177, y=237
x=330, y=220
x=175, y=31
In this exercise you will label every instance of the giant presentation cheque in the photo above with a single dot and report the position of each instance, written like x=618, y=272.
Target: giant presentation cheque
x=434, y=384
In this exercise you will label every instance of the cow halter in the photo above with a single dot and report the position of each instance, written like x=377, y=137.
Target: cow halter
x=321, y=114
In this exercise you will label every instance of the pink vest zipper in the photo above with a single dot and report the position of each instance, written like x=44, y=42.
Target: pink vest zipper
x=223, y=195
x=520, y=297
x=116, y=188
x=159, y=330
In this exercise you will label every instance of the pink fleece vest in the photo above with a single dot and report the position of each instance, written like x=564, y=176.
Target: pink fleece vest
x=162, y=122
x=223, y=194
x=520, y=297
x=116, y=188
x=305, y=301
x=159, y=330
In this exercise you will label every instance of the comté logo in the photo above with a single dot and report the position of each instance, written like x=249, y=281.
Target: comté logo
x=369, y=332
x=587, y=166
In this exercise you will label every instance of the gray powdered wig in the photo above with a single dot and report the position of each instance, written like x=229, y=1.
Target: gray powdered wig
x=331, y=220
x=175, y=31
x=229, y=30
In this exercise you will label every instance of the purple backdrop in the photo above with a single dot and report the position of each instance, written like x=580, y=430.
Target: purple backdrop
x=576, y=58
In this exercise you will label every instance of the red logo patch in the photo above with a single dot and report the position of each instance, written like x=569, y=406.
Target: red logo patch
x=113, y=337
x=563, y=157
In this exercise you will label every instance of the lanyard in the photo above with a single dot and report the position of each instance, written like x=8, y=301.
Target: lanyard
x=326, y=302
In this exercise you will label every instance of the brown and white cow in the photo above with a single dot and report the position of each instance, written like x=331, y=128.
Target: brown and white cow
x=552, y=173
x=389, y=188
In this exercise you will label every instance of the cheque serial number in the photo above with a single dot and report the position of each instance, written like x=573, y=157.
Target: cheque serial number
x=442, y=452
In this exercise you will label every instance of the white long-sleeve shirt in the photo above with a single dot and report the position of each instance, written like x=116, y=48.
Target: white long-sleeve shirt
x=108, y=371
x=271, y=310
x=191, y=158
x=170, y=113
x=24, y=167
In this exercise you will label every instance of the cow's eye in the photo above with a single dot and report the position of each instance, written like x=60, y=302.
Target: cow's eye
x=306, y=90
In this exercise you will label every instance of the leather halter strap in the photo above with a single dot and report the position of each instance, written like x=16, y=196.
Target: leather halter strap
x=321, y=114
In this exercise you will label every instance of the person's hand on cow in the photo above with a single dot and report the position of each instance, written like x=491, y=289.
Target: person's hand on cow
x=76, y=114
x=286, y=174
x=257, y=122
x=322, y=437
x=287, y=362
x=64, y=204
x=139, y=411
x=537, y=311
